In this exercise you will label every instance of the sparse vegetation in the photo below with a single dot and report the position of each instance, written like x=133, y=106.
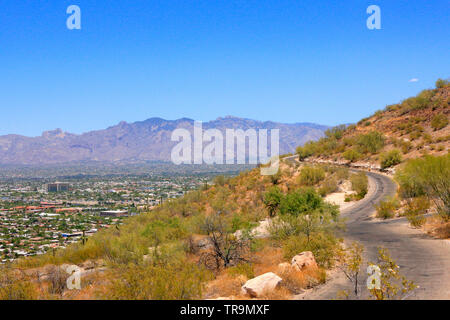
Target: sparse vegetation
x=393, y=285
x=386, y=208
x=310, y=176
x=429, y=176
x=439, y=121
x=360, y=184
x=390, y=158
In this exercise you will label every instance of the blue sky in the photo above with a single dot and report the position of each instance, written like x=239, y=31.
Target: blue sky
x=287, y=61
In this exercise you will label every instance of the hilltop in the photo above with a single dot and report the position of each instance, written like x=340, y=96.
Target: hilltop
x=412, y=128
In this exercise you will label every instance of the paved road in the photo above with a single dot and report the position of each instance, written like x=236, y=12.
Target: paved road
x=422, y=259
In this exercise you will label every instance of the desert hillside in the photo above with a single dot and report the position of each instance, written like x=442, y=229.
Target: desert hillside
x=412, y=128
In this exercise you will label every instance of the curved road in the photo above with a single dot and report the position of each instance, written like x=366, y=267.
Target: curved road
x=422, y=259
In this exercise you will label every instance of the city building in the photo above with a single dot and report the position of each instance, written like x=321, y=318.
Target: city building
x=58, y=187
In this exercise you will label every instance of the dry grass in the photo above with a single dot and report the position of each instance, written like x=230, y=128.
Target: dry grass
x=438, y=228
x=267, y=260
x=225, y=285
x=277, y=294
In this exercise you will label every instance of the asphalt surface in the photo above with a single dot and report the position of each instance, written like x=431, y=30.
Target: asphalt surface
x=422, y=259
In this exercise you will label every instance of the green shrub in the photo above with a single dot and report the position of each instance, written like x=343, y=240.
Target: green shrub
x=16, y=286
x=300, y=202
x=272, y=200
x=323, y=245
x=351, y=155
x=371, y=142
x=415, y=210
x=390, y=158
x=421, y=101
x=335, y=132
x=439, y=121
x=429, y=176
x=310, y=176
x=441, y=83
x=245, y=269
x=329, y=185
x=386, y=208
x=307, y=150
x=342, y=173
x=360, y=184
x=179, y=281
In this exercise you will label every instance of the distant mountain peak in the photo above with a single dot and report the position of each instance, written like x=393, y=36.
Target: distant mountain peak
x=138, y=141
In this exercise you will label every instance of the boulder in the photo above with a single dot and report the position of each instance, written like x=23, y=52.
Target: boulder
x=304, y=260
x=284, y=267
x=257, y=286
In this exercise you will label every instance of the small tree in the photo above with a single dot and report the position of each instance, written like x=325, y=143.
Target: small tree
x=351, y=266
x=272, y=200
x=228, y=249
x=392, y=285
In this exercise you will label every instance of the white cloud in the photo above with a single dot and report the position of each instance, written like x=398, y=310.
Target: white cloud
x=413, y=80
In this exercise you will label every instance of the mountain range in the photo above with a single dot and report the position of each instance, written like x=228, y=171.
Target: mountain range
x=134, y=142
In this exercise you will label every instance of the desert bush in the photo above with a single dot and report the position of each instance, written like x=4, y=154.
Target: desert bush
x=307, y=150
x=335, y=132
x=16, y=286
x=439, y=121
x=179, y=281
x=245, y=269
x=275, y=178
x=442, y=83
x=300, y=202
x=351, y=155
x=228, y=249
x=428, y=176
x=371, y=142
x=272, y=200
x=342, y=173
x=390, y=158
x=360, y=184
x=415, y=210
x=324, y=246
x=421, y=101
x=310, y=176
x=328, y=186
x=57, y=280
x=386, y=208
x=219, y=180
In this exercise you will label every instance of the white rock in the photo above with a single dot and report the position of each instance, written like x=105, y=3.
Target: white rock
x=257, y=286
x=304, y=260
